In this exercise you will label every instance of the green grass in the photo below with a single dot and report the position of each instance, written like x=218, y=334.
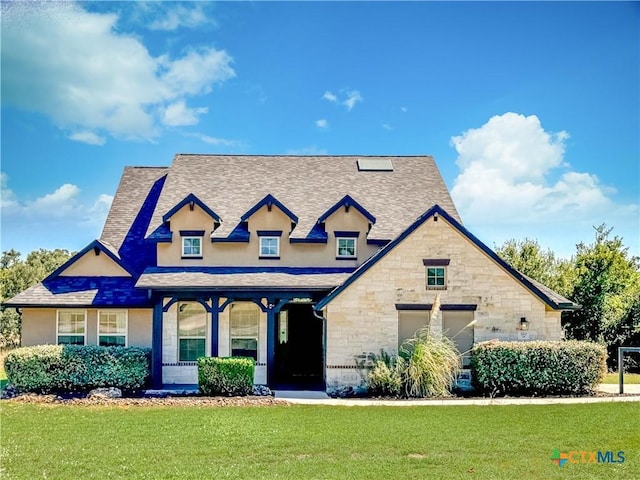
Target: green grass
x=309, y=442
x=629, y=378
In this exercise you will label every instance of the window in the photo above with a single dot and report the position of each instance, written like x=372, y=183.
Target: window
x=269, y=246
x=346, y=247
x=192, y=331
x=244, y=319
x=72, y=327
x=112, y=328
x=191, y=246
x=436, y=277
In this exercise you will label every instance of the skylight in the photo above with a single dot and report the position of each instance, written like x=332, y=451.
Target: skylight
x=375, y=165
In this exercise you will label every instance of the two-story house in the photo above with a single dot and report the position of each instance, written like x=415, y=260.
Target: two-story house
x=301, y=262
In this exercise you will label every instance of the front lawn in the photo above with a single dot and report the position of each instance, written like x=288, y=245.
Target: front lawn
x=629, y=378
x=307, y=442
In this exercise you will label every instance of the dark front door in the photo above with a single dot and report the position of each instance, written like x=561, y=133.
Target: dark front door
x=299, y=349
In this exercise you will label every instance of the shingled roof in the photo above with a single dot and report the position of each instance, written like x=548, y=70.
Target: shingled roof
x=307, y=185
x=135, y=184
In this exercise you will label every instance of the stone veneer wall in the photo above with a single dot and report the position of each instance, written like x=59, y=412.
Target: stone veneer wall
x=363, y=318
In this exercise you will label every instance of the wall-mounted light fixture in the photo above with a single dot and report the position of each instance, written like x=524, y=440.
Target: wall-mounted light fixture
x=435, y=217
x=524, y=324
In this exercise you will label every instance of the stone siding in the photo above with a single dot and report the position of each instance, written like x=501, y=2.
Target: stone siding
x=363, y=318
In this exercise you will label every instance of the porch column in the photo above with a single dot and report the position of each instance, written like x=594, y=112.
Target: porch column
x=156, y=346
x=215, y=315
x=271, y=343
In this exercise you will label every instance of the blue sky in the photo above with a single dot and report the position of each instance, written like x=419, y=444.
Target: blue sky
x=531, y=110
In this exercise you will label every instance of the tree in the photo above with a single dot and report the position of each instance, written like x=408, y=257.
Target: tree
x=528, y=258
x=607, y=286
x=17, y=275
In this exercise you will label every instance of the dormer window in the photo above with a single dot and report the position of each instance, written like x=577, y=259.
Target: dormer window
x=269, y=244
x=192, y=247
x=346, y=243
x=346, y=247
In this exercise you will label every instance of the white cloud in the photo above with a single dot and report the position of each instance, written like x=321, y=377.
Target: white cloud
x=353, y=97
x=177, y=16
x=221, y=142
x=330, y=96
x=178, y=114
x=322, y=123
x=78, y=69
x=88, y=137
x=387, y=126
x=404, y=109
x=62, y=209
x=504, y=184
x=348, y=98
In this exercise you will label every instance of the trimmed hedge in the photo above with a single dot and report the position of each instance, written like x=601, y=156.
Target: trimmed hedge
x=537, y=368
x=72, y=368
x=225, y=375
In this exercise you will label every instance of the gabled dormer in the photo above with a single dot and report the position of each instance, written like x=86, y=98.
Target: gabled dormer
x=346, y=224
x=98, y=259
x=193, y=221
x=190, y=213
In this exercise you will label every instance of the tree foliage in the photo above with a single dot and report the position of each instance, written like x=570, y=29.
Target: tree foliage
x=601, y=276
x=17, y=275
x=529, y=258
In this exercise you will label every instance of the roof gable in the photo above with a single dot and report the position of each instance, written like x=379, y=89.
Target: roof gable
x=99, y=247
x=546, y=295
x=190, y=200
x=270, y=201
x=347, y=202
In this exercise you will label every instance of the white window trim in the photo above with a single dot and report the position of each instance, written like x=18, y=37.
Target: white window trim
x=426, y=277
x=184, y=239
x=198, y=337
x=355, y=247
x=70, y=310
x=126, y=326
x=245, y=306
x=277, y=239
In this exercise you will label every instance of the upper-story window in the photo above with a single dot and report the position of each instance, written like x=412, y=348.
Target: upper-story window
x=269, y=246
x=269, y=243
x=345, y=247
x=346, y=243
x=192, y=246
x=436, y=270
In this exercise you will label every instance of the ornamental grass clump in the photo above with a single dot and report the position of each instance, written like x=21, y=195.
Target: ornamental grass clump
x=426, y=366
x=431, y=364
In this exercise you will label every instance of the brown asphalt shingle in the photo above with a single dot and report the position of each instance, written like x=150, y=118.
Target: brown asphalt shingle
x=307, y=185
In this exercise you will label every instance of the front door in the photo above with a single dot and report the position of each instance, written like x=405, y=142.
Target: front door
x=299, y=349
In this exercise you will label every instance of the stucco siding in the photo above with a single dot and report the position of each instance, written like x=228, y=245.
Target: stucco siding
x=92, y=265
x=363, y=318
x=38, y=326
x=139, y=334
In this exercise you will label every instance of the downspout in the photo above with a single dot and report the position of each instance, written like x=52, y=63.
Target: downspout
x=324, y=345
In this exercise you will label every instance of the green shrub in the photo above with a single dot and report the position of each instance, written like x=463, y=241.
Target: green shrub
x=431, y=364
x=225, y=376
x=385, y=378
x=537, y=368
x=70, y=368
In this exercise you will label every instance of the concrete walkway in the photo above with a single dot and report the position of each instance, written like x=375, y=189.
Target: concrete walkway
x=305, y=397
